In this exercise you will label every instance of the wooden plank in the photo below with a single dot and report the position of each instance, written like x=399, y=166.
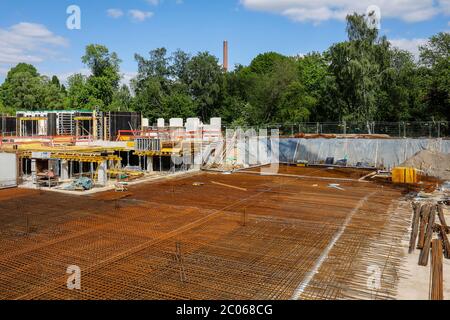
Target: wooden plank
x=425, y=253
x=414, y=227
x=228, y=186
x=424, y=212
x=443, y=232
x=441, y=215
x=437, y=281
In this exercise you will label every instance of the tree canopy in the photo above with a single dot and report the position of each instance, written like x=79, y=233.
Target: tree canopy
x=361, y=79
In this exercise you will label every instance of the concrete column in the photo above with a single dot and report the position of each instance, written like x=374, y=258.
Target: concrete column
x=198, y=156
x=240, y=157
x=262, y=146
x=64, y=170
x=187, y=155
x=149, y=164
x=102, y=173
x=252, y=147
x=33, y=170
x=230, y=156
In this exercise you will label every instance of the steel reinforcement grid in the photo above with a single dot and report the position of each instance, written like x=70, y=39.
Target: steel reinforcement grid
x=189, y=238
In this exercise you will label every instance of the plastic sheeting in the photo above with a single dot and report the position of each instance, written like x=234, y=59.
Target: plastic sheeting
x=81, y=183
x=376, y=152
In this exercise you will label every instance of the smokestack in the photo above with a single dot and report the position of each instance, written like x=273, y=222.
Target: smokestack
x=225, y=55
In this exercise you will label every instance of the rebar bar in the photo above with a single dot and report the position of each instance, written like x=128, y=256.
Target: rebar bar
x=437, y=281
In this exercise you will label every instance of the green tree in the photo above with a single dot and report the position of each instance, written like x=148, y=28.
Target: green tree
x=149, y=99
x=52, y=94
x=157, y=67
x=179, y=66
x=313, y=74
x=22, y=88
x=266, y=91
x=152, y=84
x=102, y=63
x=436, y=51
x=122, y=99
x=296, y=104
x=179, y=105
x=105, y=77
x=399, y=93
x=266, y=62
x=55, y=82
x=78, y=95
x=356, y=70
x=435, y=61
x=205, y=84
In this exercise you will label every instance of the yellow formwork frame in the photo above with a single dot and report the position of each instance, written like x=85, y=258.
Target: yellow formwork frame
x=77, y=157
x=163, y=153
x=32, y=118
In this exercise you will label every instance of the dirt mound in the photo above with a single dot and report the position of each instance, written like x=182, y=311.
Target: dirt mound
x=432, y=163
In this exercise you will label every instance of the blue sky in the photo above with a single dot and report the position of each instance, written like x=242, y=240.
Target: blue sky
x=35, y=31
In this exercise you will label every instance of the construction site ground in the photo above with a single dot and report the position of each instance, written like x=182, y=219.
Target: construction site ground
x=210, y=236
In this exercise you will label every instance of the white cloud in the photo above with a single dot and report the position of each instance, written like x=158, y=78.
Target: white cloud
x=411, y=45
x=153, y=2
x=3, y=71
x=29, y=43
x=64, y=76
x=139, y=16
x=321, y=10
x=114, y=13
x=445, y=6
x=127, y=76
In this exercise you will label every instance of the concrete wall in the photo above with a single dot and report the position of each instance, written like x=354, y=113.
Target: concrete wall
x=8, y=170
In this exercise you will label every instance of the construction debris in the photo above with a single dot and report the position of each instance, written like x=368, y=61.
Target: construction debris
x=431, y=163
x=121, y=186
x=336, y=186
x=80, y=184
x=432, y=236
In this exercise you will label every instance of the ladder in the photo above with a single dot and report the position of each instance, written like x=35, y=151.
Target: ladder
x=107, y=126
x=66, y=124
x=99, y=118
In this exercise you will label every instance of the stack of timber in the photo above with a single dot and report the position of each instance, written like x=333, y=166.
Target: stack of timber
x=428, y=235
